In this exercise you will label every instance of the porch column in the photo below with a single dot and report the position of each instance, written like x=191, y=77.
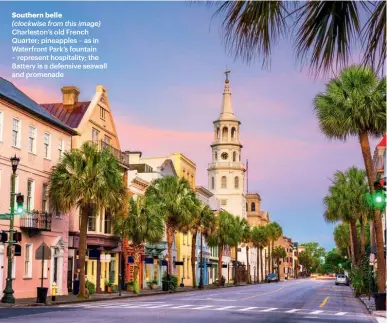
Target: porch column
x=98, y=277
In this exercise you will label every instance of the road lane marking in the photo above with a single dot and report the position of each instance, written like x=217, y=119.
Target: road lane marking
x=270, y=309
x=248, y=308
x=273, y=291
x=341, y=313
x=182, y=306
x=224, y=308
x=293, y=310
x=324, y=301
x=157, y=306
x=201, y=307
x=316, y=312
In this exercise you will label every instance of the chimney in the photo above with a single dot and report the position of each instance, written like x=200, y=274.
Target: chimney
x=70, y=95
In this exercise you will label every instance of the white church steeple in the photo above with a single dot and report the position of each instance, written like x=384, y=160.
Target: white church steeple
x=226, y=112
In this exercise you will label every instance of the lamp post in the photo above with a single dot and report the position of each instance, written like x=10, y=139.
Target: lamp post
x=8, y=291
x=201, y=285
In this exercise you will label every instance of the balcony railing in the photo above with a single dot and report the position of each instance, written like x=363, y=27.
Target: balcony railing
x=121, y=157
x=36, y=221
x=236, y=165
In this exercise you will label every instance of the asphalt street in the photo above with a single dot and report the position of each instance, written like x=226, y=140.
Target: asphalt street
x=290, y=301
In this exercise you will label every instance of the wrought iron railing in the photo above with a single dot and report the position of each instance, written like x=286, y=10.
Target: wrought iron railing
x=38, y=221
x=122, y=157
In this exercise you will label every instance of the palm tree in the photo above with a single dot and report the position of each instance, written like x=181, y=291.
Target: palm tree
x=246, y=239
x=173, y=198
x=202, y=220
x=341, y=236
x=354, y=104
x=89, y=179
x=274, y=233
x=260, y=239
x=139, y=226
x=325, y=30
x=237, y=232
x=278, y=253
x=223, y=235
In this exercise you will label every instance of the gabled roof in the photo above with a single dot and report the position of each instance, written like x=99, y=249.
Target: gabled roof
x=382, y=142
x=70, y=118
x=12, y=94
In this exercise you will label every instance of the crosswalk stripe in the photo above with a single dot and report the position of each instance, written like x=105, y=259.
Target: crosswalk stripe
x=224, y=308
x=182, y=306
x=200, y=307
x=270, y=309
x=247, y=309
x=293, y=311
x=316, y=312
x=341, y=313
x=157, y=306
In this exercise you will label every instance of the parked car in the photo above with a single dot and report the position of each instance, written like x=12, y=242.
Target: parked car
x=341, y=280
x=272, y=278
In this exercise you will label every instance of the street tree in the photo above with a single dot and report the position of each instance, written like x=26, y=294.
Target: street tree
x=277, y=254
x=87, y=179
x=138, y=226
x=315, y=252
x=354, y=104
x=260, y=239
x=238, y=229
x=306, y=260
x=274, y=231
x=246, y=239
x=202, y=221
x=223, y=235
x=250, y=28
x=342, y=239
x=174, y=199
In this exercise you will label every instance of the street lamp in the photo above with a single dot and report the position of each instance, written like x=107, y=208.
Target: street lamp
x=8, y=291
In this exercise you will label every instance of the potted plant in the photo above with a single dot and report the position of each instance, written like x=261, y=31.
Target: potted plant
x=149, y=284
x=115, y=288
x=155, y=283
x=108, y=286
x=130, y=285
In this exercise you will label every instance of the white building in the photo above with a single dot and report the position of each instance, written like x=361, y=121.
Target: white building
x=226, y=172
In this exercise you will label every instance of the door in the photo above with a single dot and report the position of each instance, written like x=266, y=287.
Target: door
x=55, y=274
x=70, y=274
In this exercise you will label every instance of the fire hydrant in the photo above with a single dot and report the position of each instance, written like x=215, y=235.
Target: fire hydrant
x=53, y=293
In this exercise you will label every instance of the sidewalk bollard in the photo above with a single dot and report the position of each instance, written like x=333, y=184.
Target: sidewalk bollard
x=53, y=293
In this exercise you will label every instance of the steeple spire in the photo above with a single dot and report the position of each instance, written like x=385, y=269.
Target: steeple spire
x=226, y=113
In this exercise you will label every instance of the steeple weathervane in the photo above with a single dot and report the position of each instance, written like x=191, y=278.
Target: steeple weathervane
x=227, y=72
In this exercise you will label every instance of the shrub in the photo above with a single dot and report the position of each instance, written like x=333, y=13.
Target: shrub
x=360, y=278
x=91, y=287
x=173, y=281
x=115, y=288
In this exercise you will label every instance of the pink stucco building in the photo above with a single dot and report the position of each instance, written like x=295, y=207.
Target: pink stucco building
x=39, y=140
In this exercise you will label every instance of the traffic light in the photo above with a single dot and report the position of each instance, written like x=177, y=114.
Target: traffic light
x=19, y=203
x=3, y=236
x=379, y=197
x=17, y=236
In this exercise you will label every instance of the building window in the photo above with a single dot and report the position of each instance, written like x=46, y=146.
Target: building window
x=225, y=133
x=234, y=156
x=92, y=221
x=217, y=133
x=60, y=148
x=47, y=145
x=28, y=261
x=16, y=186
x=253, y=206
x=108, y=222
x=16, y=133
x=224, y=182
x=102, y=113
x=236, y=182
x=233, y=132
x=213, y=183
x=30, y=195
x=32, y=140
x=107, y=139
x=223, y=202
x=45, y=197
x=1, y=125
x=247, y=206
x=94, y=135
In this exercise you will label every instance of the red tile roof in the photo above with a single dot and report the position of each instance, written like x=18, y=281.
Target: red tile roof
x=70, y=118
x=382, y=143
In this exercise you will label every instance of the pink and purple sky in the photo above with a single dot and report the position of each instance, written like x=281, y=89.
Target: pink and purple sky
x=165, y=82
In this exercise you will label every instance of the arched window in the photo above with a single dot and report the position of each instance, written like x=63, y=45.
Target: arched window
x=233, y=133
x=216, y=155
x=236, y=182
x=212, y=182
x=234, y=156
x=224, y=182
x=217, y=133
x=253, y=206
x=247, y=206
x=225, y=133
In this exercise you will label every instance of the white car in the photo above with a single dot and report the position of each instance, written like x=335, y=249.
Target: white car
x=341, y=280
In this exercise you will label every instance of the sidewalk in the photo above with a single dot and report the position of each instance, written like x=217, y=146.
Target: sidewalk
x=69, y=299
x=370, y=304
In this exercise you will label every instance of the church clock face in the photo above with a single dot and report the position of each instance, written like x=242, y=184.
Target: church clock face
x=224, y=156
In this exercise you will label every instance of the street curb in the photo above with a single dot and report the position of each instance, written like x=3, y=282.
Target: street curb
x=119, y=297
x=370, y=310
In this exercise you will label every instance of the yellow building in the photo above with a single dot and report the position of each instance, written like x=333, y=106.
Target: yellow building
x=93, y=120
x=185, y=168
